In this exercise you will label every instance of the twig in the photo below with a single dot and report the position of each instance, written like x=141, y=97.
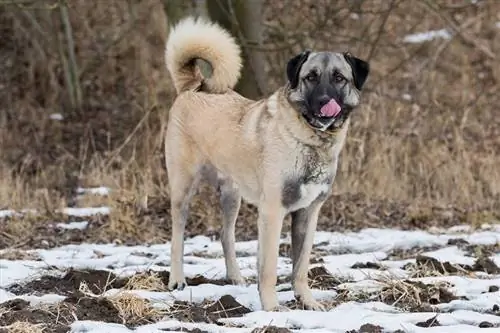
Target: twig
x=72, y=66
x=466, y=39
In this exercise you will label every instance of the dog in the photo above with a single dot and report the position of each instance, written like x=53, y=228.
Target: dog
x=279, y=153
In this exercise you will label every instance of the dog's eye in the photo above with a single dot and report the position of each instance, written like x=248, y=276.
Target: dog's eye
x=311, y=77
x=338, y=77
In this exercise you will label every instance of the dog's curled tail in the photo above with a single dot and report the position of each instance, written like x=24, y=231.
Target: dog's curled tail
x=201, y=55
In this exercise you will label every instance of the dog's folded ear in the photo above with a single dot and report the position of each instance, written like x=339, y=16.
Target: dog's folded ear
x=360, y=69
x=293, y=67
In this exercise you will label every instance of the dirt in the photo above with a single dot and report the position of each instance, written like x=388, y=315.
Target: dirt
x=194, y=281
x=321, y=278
x=60, y=316
x=368, y=328
x=403, y=254
x=98, y=282
x=432, y=265
x=224, y=307
x=371, y=265
x=431, y=322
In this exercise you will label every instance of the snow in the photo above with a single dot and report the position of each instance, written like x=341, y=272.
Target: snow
x=73, y=225
x=340, y=251
x=100, y=190
x=56, y=116
x=427, y=36
x=86, y=211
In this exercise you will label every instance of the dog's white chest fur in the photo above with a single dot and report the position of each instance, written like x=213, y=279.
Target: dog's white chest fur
x=309, y=193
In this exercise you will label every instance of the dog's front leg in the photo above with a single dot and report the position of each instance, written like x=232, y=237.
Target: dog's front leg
x=304, y=223
x=269, y=224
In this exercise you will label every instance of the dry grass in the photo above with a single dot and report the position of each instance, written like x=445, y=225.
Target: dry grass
x=134, y=309
x=25, y=327
x=146, y=281
x=426, y=135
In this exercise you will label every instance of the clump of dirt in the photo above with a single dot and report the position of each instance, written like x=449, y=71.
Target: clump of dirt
x=183, y=329
x=321, y=278
x=368, y=328
x=431, y=322
x=194, y=281
x=427, y=266
x=480, y=250
x=403, y=254
x=271, y=329
x=98, y=281
x=485, y=264
x=415, y=295
x=208, y=312
x=20, y=311
x=371, y=265
x=459, y=242
x=92, y=308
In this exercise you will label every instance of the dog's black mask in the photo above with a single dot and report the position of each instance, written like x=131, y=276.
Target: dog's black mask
x=327, y=89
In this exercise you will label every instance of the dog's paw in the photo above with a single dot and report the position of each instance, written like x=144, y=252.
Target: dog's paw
x=311, y=304
x=280, y=308
x=177, y=285
x=238, y=281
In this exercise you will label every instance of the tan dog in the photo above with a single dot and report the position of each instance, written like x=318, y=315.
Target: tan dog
x=279, y=153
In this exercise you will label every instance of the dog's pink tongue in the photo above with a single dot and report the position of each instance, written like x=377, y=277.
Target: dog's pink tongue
x=330, y=109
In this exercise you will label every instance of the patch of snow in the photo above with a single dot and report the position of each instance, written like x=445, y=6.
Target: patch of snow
x=73, y=225
x=427, y=36
x=56, y=116
x=5, y=295
x=86, y=211
x=7, y=213
x=497, y=24
x=203, y=256
x=101, y=190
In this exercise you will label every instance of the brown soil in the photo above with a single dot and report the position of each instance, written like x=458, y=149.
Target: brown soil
x=371, y=265
x=321, y=278
x=368, y=328
x=98, y=282
x=59, y=317
x=431, y=322
x=428, y=264
x=208, y=312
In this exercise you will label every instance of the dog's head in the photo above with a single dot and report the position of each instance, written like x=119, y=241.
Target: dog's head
x=325, y=86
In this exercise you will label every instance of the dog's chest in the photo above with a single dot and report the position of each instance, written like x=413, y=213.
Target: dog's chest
x=310, y=185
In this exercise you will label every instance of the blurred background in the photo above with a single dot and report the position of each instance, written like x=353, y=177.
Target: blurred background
x=84, y=98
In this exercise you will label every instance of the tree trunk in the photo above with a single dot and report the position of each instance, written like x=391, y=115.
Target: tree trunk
x=243, y=19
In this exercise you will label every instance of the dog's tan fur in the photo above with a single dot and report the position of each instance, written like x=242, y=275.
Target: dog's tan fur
x=253, y=147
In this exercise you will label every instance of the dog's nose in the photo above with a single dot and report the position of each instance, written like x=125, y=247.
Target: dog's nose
x=323, y=100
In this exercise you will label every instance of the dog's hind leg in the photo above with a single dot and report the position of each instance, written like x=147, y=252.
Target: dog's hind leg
x=230, y=199
x=304, y=223
x=183, y=175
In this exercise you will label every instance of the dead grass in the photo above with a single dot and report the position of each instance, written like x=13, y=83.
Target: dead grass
x=426, y=136
x=25, y=327
x=146, y=281
x=134, y=309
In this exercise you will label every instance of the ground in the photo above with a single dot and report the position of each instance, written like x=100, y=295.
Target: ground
x=370, y=280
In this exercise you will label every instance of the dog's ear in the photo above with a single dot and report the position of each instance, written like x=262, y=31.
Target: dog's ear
x=293, y=67
x=360, y=69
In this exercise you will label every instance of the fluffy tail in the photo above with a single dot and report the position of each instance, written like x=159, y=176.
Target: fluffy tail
x=195, y=43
